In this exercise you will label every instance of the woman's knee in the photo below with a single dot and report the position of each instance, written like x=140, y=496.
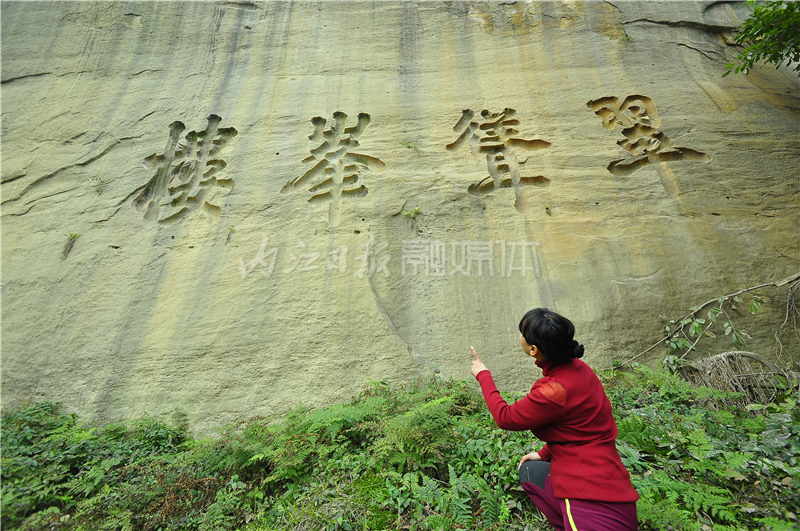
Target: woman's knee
x=534, y=472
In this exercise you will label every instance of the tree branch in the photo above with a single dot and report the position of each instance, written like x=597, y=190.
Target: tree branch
x=779, y=283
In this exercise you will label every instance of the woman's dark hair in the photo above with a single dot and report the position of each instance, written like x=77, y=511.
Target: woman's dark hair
x=551, y=334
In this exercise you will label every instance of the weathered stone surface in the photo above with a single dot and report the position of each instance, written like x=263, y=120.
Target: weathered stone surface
x=193, y=314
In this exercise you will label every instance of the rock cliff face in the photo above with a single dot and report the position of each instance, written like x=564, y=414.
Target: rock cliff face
x=278, y=202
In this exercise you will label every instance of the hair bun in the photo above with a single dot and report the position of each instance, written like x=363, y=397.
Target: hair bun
x=577, y=349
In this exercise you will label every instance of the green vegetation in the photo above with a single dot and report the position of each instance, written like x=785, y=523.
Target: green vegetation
x=409, y=145
x=679, y=332
x=771, y=35
x=696, y=464
x=411, y=213
x=681, y=335
x=425, y=456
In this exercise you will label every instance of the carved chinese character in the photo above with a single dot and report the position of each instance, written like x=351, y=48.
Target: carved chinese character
x=336, y=169
x=186, y=174
x=640, y=125
x=495, y=138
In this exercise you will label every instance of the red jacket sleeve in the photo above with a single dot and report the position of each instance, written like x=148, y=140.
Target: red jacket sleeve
x=544, y=453
x=544, y=404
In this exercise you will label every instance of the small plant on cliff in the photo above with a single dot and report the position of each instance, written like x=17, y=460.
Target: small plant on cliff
x=680, y=332
x=409, y=145
x=626, y=37
x=411, y=214
x=682, y=335
x=71, y=237
x=771, y=35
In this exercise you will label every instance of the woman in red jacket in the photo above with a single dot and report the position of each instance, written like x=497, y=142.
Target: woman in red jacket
x=577, y=479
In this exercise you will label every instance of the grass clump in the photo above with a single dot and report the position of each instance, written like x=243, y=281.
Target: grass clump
x=424, y=456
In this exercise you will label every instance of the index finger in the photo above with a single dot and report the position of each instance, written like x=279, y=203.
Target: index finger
x=474, y=353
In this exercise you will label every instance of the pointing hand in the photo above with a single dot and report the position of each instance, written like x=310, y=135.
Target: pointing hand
x=477, y=364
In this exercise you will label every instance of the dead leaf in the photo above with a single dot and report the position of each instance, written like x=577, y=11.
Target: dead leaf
x=733, y=474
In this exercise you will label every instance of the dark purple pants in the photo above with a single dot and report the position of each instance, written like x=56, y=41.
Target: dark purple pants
x=577, y=515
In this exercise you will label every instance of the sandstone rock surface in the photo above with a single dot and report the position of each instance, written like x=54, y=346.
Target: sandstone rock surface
x=278, y=202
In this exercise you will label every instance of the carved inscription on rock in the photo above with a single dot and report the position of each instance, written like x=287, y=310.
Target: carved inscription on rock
x=504, y=18
x=186, y=174
x=493, y=136
x=640, y=126
x=336, y=169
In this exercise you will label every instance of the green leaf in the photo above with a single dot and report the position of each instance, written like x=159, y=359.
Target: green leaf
x=770, y=35
x=737, y=340
x=755, y=304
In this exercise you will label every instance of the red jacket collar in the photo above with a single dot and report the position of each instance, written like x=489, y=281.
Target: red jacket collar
x=548, y=368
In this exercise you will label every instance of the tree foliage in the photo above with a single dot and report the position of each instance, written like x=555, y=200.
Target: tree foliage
x=771, y=34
